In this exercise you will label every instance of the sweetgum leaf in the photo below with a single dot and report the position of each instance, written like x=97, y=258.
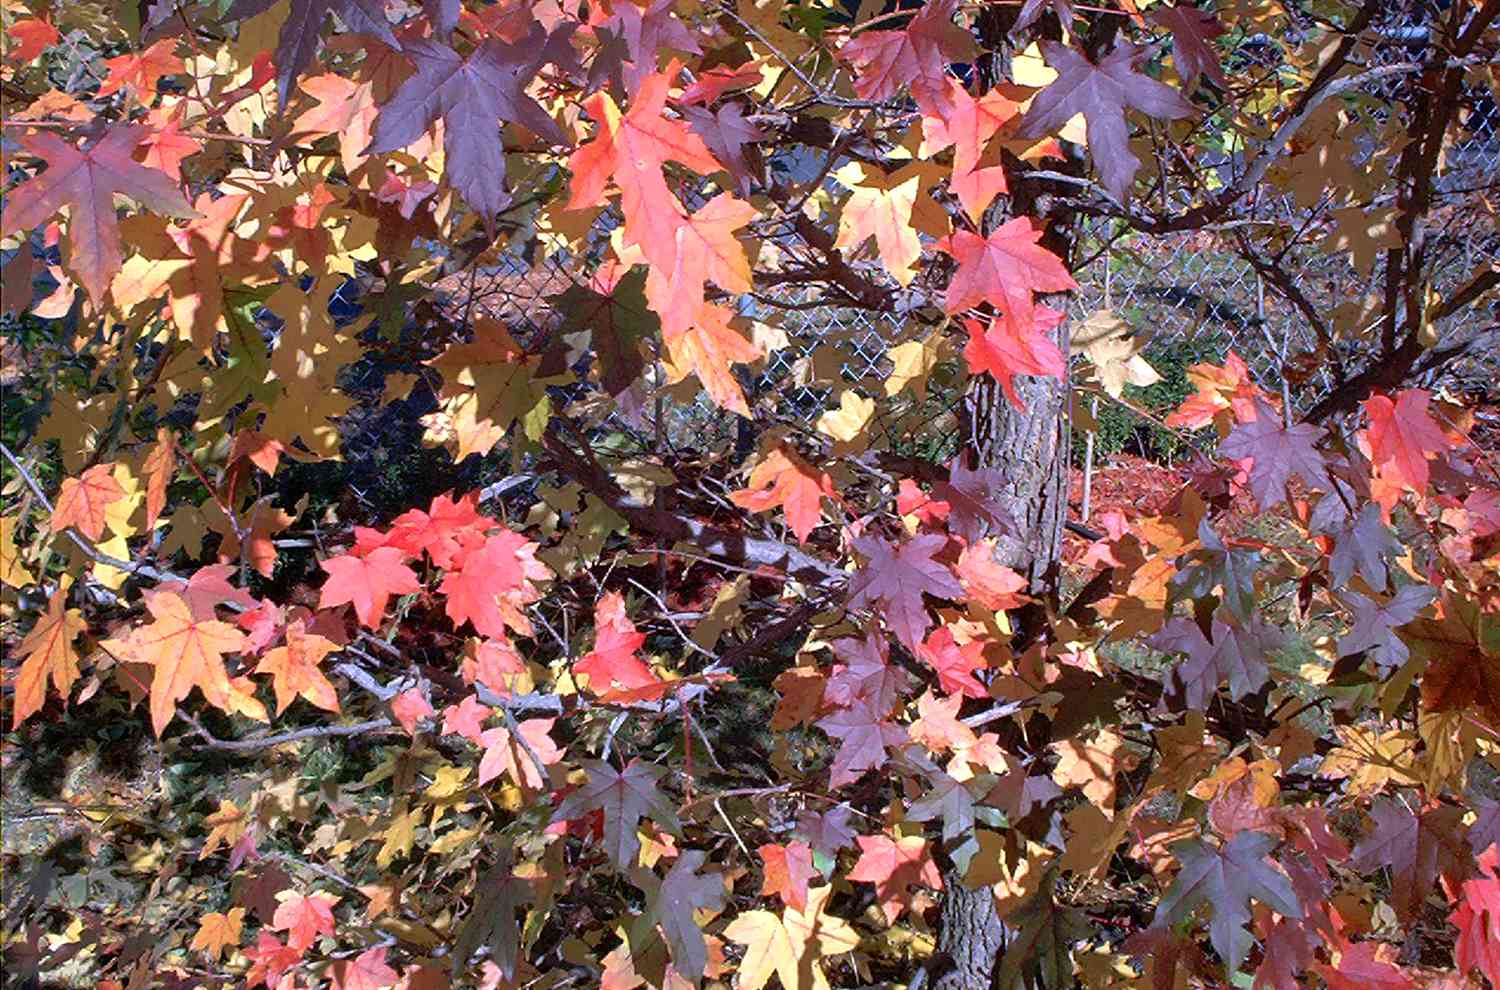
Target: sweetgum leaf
x=1227, y=879
x=85, y=180
x=867, y=674
x=624, y=798
x=301, y=31
x=474, y=96
x=896, y=577
x=1215, y=565
x=632, y=41
x=1418, y=847
x=864, y=735
x=1279, y=452
x=974, y=508
x=619, y=321
x=1237, y=654
x=1193, y=53
x=917, y=56
x=1102, y=92
x=1374, y=624
x=492, y=922
x=683, y=891
x=730, y=137
x=1362, y=544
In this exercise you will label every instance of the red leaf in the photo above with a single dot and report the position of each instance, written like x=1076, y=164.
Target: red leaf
x=367, y=583
x=1003, y=269
x=1016, y=343
x=894, y=866
x=1403, y=437
x=918, y=56
x=492, y=583
x=86, y=181
x=304, y=918
x=612, y=661
x=1477, y=919
x=367, y=971
x=955, y=665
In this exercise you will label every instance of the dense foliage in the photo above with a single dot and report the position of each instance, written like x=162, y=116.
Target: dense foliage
x=366, y=631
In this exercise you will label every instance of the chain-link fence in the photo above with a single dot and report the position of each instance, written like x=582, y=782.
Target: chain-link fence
x=1307, y=306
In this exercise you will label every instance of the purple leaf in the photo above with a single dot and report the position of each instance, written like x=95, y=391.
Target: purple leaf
x=1227, y=880
x=1193, y=30
x=896, y=577
x=1373, y=629
x=1102, y=93
x=1279, y=453
x=864, y=735
x=473, y=96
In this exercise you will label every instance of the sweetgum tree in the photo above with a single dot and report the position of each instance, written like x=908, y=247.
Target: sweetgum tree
x=365, y=633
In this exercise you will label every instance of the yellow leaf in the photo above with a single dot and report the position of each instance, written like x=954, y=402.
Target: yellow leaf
x=227, y=826
x=849, y=420
x=792, y=945
x=913, y=363
x=400, y=835
x=1111, y=345
x=12, y=571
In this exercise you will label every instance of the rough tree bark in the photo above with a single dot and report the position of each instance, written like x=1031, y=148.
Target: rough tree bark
x=1029, y=447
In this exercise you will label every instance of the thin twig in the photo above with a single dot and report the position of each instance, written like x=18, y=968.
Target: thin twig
x=256, y=744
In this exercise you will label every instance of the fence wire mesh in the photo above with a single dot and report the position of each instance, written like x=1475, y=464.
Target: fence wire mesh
x=1195, y=286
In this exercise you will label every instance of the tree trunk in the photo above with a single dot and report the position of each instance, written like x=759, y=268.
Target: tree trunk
x=1030, y=448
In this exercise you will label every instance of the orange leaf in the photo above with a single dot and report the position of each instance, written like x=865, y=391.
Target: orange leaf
x=47, y=653
x=503, y=753
x=295, y=669
x=217, y=932
x=801, y=691
x=410, y=707
x=630, y=150
x=1016, y=343
x=81, y=502
x=707, y=349
x=988, y=582
x=186, y=653
x=160, y=465
x=789, y=868
x=706, y=250
x=141, y=70
x=785, y=479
